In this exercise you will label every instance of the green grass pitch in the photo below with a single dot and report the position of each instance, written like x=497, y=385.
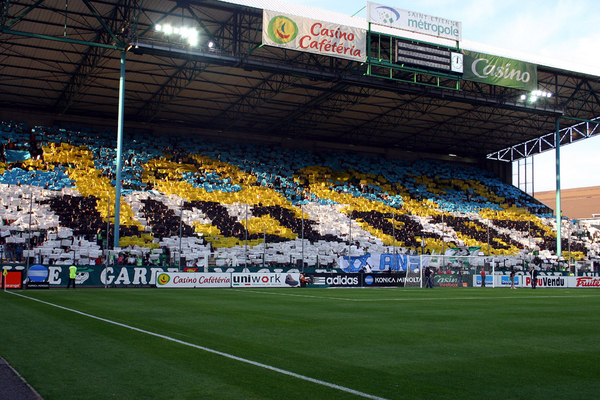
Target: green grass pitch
x=444, y=343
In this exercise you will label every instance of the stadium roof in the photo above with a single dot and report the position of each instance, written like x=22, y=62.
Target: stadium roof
x=64, y=58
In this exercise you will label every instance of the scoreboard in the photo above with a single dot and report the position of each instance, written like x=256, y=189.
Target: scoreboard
x=428, y=56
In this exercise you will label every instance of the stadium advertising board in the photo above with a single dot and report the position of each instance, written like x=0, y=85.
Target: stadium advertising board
x=113, y=275
x=499, y=71
x=549, y=281
x=382, y=262
x=450, y=280
x=37, y=277
x=241, y=279
x=489, y=280
x=504, y=281
x=314, y=36
x=399, y=279
x=192, y=280
x=396, y=279
x=12, y=279
x=337, y=280
x=588, y=282
x=128, y=276
x=414, y=21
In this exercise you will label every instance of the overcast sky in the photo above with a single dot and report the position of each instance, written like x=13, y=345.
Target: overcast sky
x=564, y=30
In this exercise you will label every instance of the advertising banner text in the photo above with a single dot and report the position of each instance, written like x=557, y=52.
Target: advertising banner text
x=314, y=36
x=499, y=71
x=414, y=21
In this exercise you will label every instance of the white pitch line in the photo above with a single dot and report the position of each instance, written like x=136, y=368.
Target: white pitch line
x=412, y=299
x=206, y=349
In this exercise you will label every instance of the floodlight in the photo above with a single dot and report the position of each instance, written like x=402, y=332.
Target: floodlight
x=535, y=96
x=190, y=34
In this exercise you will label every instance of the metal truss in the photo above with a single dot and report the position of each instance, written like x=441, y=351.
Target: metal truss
x=571, y=134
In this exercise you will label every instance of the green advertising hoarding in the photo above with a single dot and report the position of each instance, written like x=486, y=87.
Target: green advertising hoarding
x=499, y=71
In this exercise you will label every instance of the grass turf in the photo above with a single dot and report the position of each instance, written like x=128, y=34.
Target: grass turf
x=392, y=343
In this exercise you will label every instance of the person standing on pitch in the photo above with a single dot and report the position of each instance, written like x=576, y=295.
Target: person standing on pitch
x=512, y=278
x=72, y=276
x=428, y=278
x=534, y=275
x=482, y=277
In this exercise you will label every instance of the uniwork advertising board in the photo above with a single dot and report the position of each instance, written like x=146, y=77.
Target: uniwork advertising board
x=241, y=279
x=314, y=36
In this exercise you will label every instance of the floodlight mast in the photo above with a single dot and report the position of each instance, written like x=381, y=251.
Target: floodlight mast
x=119, y=166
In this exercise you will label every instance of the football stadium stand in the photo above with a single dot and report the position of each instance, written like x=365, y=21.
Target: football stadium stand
x=250, y=204
x=243, y=149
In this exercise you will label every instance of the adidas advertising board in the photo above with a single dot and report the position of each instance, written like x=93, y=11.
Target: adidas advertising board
x=366, y=280
x=337, y=280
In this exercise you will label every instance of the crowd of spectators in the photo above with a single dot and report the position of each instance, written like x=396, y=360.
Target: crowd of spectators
x=459, y=192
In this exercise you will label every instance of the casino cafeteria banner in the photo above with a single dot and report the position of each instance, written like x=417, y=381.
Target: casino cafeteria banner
x=499, y=71
x=314, y=36
x=192, y=280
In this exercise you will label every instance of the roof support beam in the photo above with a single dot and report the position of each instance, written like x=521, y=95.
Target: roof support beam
x=60, y=39
x=88, y=63
x=108, y=29
x=22, y=15
x=181, y=79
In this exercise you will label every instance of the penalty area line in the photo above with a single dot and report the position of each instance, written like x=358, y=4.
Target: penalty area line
x=208, y=350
